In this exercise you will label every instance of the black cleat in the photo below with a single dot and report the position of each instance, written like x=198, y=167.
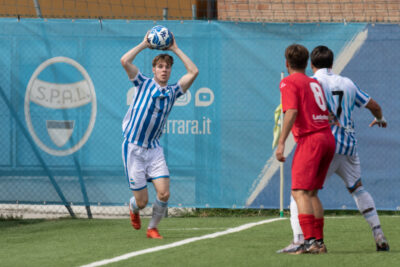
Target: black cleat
x=307, y=248
x=322, y=247
x=381, y=243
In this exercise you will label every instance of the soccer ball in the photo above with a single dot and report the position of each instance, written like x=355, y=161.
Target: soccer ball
x=160, y=37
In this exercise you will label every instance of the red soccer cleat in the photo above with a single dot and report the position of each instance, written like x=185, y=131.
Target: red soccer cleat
x=153, y=233
x=135, y=220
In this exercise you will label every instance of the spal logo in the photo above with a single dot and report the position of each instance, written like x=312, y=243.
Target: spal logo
x=60, y=106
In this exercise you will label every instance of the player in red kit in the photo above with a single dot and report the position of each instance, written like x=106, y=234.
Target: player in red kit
x=307, y=116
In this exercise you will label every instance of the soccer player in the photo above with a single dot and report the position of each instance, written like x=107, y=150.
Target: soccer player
x=142, y=127
x=306, y=114
x=342, y=96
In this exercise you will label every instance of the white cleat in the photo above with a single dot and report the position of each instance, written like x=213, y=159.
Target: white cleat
x=291, y=248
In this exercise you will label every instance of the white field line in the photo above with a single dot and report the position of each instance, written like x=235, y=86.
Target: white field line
x=190, y=229
x=272, y=164
x=180, y=243
x=358, y=216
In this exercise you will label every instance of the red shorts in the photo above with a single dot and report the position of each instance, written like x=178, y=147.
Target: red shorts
x=311, y=160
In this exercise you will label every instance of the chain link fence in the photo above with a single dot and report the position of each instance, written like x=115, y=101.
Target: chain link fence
x=295, y=11
x=111, y=9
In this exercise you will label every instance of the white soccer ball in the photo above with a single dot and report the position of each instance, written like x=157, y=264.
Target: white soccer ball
x=160, y=37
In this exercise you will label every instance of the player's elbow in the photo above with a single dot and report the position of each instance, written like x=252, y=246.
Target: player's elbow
x=195, y=72
x=124, y=62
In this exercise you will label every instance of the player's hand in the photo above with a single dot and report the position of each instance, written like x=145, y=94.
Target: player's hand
x=173, y=45
x=279, y=153
x=381, y=123
x=333, y=120
x=145, y=41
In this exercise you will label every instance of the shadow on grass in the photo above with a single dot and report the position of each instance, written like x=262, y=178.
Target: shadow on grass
x=10, y=221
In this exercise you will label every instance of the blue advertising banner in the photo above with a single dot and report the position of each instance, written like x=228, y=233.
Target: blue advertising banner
x=65, y=82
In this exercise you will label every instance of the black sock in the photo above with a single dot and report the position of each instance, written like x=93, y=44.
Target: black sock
x=309, y=241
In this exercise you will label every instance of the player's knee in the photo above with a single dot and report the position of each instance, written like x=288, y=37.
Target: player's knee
x=141, y=204
x=163, y=196
x=300, y=194
x=313, y=193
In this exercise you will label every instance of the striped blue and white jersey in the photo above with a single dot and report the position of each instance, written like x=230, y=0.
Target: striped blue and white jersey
x=144, y=121
x=342, y=96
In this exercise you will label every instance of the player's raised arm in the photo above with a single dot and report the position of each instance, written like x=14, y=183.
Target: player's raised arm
x=126, y=60
x=376, y=110
x=186, y=80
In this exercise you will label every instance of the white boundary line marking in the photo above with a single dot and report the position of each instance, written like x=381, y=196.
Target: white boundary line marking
x=347, y=53
x=180, y=243
x=191, y=229
x=272, y=164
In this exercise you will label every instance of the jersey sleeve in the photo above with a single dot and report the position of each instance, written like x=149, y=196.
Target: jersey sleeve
x=289, y=96
x=139, y=79
x=362, y=98
x=177, y=90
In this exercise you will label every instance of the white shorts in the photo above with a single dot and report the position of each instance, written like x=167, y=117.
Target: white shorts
x=143, y=165
x=347, y=167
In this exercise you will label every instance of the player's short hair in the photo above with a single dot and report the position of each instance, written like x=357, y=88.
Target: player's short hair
x=297, y=56
x=163, y=57
x=322, y=57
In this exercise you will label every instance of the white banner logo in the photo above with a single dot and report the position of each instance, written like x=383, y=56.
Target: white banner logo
x=204, y=97
x=60, y=96
x=184, y=99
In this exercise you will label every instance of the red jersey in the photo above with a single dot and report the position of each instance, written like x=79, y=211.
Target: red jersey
x=304, y=94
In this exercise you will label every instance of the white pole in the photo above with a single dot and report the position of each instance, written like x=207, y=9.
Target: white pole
x=37, y=8
x=165, y=13
x=194, y=11
x=281, y=167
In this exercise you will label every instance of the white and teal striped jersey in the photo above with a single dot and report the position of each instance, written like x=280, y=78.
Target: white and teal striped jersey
x=342, y=95
x=144, y=121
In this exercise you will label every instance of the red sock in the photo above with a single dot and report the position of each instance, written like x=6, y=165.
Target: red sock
x=307, y=225
x=319, y=228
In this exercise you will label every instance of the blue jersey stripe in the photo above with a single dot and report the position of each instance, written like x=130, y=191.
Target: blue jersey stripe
x=126, y=159
x=139, y=78
x=132, y=107
x=341, y=139
x=131, y=111
x=144, y=110
x=359, y=91
x=137, y=108
x=168, y=107
x=157, y=122
x=146, y=123
x=349, y=144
